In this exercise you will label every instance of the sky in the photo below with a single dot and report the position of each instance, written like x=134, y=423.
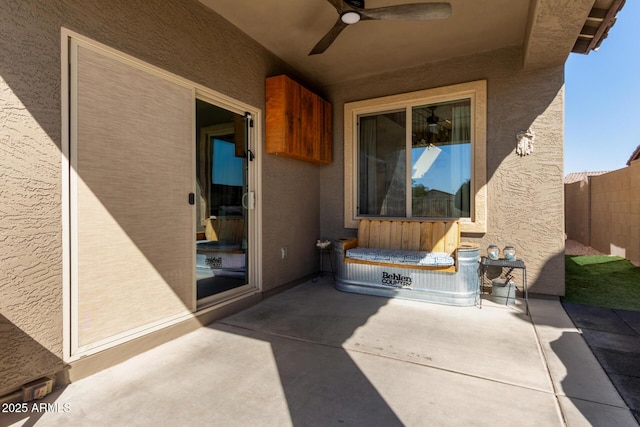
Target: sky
x=602, y=99
x=227, y=168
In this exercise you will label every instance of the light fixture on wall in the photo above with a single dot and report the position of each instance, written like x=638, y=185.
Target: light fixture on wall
x=525, y=140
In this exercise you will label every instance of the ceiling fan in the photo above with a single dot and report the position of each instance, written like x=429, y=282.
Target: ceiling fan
x=353, y=11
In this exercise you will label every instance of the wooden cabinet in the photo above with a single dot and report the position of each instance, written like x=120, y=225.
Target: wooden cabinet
x=298, y=122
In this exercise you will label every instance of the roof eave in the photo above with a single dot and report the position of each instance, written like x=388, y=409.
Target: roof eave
x=596, y=28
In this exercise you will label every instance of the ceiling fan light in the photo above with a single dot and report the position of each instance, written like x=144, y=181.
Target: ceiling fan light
x=350, y=17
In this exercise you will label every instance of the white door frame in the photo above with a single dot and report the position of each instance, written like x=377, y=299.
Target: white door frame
x=254, y=189
x=71, y=352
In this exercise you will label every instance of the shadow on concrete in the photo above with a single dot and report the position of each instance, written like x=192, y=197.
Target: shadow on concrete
x=580, y=377
x=613, y=336
x=322, y=383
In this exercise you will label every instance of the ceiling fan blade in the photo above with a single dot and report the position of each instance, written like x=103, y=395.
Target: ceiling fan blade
x=340, y=6
x=328, y=38
x=415, y=11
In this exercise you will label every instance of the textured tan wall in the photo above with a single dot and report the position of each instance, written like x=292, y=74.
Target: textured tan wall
x=30, y=188
x=525, y=194
x=291, y=219
x=181, y=37
x=615, y=212
x=576, y=212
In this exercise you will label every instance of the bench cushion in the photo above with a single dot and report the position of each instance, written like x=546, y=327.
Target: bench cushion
x=393, y=256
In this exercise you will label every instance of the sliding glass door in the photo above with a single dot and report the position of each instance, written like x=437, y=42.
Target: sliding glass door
x=131, y=159
x=222, y=200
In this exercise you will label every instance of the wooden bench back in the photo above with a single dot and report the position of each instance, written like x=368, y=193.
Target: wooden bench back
x=225, y=229
x=435, y=236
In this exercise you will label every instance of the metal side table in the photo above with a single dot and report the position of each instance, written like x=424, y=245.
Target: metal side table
x=326, y=251
x=507, y=268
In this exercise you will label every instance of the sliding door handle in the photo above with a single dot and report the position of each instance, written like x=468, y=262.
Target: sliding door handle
x=249, y=200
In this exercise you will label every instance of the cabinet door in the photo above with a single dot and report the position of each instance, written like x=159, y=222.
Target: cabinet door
x=308, y=115
x=282, y=122
x=298, y=122
x=325, y=130
x=293, y=107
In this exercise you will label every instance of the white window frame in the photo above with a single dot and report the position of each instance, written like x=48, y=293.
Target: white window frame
x=476, y=91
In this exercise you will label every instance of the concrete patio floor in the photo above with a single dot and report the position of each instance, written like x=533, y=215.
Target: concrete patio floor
x=314, y=356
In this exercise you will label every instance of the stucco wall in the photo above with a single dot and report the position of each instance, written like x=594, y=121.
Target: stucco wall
x=184, y=38
x=604, y=212
x=615, y=212
x=576, y=212
x=525, y=194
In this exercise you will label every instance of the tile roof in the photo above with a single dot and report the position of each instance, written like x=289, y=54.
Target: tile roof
x=580, y=176
x=634, y=156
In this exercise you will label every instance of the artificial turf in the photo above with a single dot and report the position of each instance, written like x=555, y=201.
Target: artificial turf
x=602, y=281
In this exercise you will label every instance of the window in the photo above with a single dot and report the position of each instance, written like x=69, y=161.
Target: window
x=418, y=155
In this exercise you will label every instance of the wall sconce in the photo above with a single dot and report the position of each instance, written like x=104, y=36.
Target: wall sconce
x=524, y=141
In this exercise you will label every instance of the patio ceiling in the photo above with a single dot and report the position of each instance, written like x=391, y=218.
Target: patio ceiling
x=545, y=30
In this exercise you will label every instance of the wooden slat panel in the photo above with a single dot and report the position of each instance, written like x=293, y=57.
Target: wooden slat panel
x=363, y=233
x=425, y=235
x=406, y=235
x=414, y=236
x=395, y=239
x=385, y=235
x=225, y=229
x=438, y=237
x=374, y=234
x=452, y=237
x=447, y=240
